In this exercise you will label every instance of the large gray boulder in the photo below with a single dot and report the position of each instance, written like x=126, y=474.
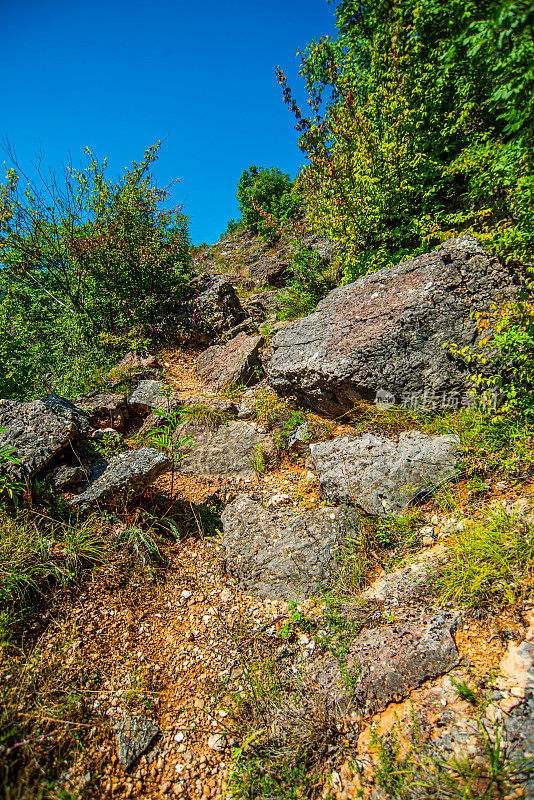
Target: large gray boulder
x=37, y=430
x=236, y=449
x=229, y=365
x=282, y=554
x=390, y=330
x=125, y=476
x=382, y=475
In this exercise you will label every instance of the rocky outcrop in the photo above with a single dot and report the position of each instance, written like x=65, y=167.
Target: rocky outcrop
x=236, y=448
x=125, y=476
x=151, y=395
x=212, y=308
x=105, y=410
x=390, y=330
x=37, y=430
x=232, y=364
x=284, y=555
x=381, y=475
x=386, y=663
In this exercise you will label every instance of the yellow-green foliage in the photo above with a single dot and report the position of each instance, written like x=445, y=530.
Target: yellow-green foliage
x=421, y=127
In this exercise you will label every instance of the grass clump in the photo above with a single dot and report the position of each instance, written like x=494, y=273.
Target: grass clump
x=33, y=556
x=491, y=562
x=502, y=441
x=203, y=414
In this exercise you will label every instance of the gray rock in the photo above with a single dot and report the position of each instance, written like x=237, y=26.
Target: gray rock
x=212, y=308
x=381, y=475
x=388, y=330
x=103, y=434
x=519, y=730
x=134, y=737
x=64, y=476
x=385, y=664
x=123, y=477
x=229, y=365
x=138, y=360
x=38, y=430
x=229, y=449
x=409, y=583
x=282, y=554
x=150, y=395
x=105, y=410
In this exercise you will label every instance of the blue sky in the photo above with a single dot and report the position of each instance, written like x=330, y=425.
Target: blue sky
x=118, y=75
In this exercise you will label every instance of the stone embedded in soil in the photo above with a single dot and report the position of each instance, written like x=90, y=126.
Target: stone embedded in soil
x=282, y=554
x=226, y=449
x=228, y=365
x=134, y=737
x=409, y=583
x=125, y=476
x=390, y=330
x=381, y=475
x=151, y=395
x=65, y=476
x=105, y=410
x=385, y=664
x=37, y=430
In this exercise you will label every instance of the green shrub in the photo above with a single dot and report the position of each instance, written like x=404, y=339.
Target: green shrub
x=87, y=264
x=262, y=192
x=421, y=127
x=312, y=280
x=508, y=332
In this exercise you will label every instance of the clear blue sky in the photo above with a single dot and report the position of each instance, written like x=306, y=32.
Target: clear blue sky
x=118, y=75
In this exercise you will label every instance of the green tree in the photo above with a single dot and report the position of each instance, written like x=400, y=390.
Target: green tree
x=263, y=192
x=421, y=127
x=86, y=264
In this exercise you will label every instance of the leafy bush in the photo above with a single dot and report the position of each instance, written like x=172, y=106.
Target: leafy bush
x=86, y=265
x=263, y=192
x=508, y=332
x=421, y=127
x=312, y=280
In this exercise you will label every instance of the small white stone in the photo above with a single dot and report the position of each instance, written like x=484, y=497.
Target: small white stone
x=217, y=742
x=179, y=737
x=186, y=595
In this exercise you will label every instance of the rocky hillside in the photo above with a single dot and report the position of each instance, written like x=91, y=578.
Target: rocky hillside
x=316, y=558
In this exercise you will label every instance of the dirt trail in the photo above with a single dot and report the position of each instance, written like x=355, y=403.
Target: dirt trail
x=171, y=648
x=172, y=644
